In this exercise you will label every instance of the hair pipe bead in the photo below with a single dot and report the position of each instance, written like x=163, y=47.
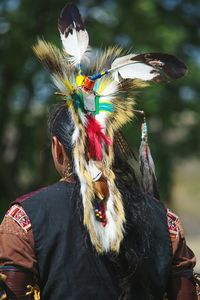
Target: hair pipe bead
x=88, y=84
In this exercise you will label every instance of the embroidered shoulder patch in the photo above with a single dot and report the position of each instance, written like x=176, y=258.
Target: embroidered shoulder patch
x=173, y=224
x=18, y=214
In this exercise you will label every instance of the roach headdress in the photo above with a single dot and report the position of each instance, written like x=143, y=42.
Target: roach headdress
x=99, y=92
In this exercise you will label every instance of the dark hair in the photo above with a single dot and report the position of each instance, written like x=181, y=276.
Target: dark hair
x=60, y=124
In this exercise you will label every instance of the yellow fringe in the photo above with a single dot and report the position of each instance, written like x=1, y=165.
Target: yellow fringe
x=3, y=277
x=33, y=290
x=4, y=297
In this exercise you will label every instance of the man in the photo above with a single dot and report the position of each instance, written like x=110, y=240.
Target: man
x=95, y=234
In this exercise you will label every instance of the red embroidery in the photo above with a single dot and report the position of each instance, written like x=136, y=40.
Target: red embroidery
x=18, y=214
x=172, y=224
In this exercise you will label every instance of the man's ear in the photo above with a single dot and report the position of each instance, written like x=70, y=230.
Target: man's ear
x=59, y=155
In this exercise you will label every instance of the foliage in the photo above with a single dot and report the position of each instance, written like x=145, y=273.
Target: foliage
x=172, y=110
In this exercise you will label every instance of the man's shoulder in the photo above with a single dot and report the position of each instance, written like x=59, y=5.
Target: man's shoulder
x=46, y=193
x=21, y=199
x=42, y=191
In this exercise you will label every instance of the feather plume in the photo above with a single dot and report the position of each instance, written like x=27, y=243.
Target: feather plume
x=104, y=59
x=50, y=56
x=148, y=67
x=53, y=60
x=147, y=168
x=96, y=138
x=122, y=147
x=73, y=34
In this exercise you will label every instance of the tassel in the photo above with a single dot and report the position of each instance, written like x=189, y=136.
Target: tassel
x=147, y=167
x=96, y=137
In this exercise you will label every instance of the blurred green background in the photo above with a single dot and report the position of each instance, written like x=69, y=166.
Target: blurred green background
x=173, y=110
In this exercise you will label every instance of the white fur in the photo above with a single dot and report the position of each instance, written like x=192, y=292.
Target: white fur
x=94, y=171
x=106, y=235
x=75, y=135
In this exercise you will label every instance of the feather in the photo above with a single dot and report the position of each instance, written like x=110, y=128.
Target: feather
x=147, y=166
x=126, y=68
x=95, y=138
x=63, y=84
x=106, y=88
x=50, y=56
x=73, y=34
x=167, y=63
x=105, y=58
x=122, y=147
x=53, y=60
x=147, y=67
x=124, y=153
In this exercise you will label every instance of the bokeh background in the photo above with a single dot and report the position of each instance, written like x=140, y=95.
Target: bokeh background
x=173, y=110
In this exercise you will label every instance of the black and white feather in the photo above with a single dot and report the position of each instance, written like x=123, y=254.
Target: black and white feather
x=73, y=34
x=148, y=67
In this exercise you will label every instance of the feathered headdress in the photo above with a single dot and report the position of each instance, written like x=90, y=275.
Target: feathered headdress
x=99, y=93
